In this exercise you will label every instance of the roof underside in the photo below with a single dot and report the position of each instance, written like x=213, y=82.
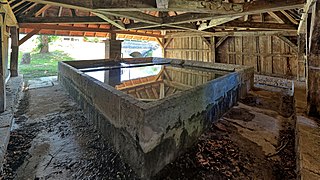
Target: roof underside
x=149, y=20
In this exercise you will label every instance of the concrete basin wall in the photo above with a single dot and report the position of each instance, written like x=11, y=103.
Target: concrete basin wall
x=151, y=135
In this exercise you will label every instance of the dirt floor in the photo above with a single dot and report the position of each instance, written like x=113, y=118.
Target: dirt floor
x=254, y=140
x=52, y=139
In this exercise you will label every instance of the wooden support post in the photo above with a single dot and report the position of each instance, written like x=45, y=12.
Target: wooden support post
x=213, y=49
x=14, y=31
x=161, y=91
x=2, y=64
x=313, y=57
x=301, y=63
x=113, y=48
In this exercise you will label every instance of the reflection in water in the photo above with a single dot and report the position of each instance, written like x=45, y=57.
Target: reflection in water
x=153, y=82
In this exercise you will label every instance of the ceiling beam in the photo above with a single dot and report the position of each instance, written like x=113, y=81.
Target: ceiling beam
x=216, y=22
x=258, y=25
x=62, y=20
x=218, y=7
x=232, y=33
x=35, y=9
x=42, y=10
x=138, y=16
x=249, y=9
x=84, y=29
x=255, y=7
x=290, y=18
x=120, y=5
x=119, y=25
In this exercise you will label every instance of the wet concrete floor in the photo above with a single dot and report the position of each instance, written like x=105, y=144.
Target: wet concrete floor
x=52, y=139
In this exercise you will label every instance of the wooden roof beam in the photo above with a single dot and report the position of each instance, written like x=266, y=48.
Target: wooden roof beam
x=27, y=8
x=255, y=7
x=42, y=10
x=121, y=5
x=216, y=19
x=63, y=20
x=259, y=25
x=233, y=33
x=306, y=8
x=35, y=9
x=276, y=17
x=83, y=29
x=290, y=18
x=10, y=17
x=216, y=22
x=119, y=25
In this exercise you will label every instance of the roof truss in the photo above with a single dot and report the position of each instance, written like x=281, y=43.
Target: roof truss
x=187, y=15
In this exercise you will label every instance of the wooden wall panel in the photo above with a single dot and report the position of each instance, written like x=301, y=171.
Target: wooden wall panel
x=189, y=48
x=269, y=55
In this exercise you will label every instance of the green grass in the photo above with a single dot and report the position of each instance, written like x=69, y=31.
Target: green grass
x=42, y=65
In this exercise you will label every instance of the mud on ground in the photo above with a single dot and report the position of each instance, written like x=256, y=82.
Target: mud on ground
x=254, y=140
x=53, y=140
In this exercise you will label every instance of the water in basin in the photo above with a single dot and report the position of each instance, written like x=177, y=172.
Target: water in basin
x=150, y=82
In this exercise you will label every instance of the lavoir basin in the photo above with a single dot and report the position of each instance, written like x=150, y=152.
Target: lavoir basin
x=152, y=109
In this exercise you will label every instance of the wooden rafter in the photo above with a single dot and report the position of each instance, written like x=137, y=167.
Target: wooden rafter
x=216, y=22
x=119, y=25
x=83, y=29
x=63, y=20
x=131, y=11
x=35, y=9
x=290, y=18
x=44, y=8
x=28, y=36
x=234, y=33
x=259, y=25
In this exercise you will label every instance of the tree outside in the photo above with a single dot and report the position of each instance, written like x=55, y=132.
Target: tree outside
x=43, y=42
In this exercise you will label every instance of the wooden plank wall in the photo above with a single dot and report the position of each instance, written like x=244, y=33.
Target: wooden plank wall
x=189, y=48
x=269, y=55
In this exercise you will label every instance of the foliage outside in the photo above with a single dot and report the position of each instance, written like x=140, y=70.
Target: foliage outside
x=43, y=42
x=43, y=64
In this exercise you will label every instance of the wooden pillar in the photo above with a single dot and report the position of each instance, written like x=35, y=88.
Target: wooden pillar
x=14, y=31
x=213, y=49
x=301, y=68
x=2, y=64
x=313, y=63
x=113, y=48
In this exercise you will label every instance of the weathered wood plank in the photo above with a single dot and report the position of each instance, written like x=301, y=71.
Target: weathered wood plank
x=14, y=51
x=313, y=81
x=2, y=65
